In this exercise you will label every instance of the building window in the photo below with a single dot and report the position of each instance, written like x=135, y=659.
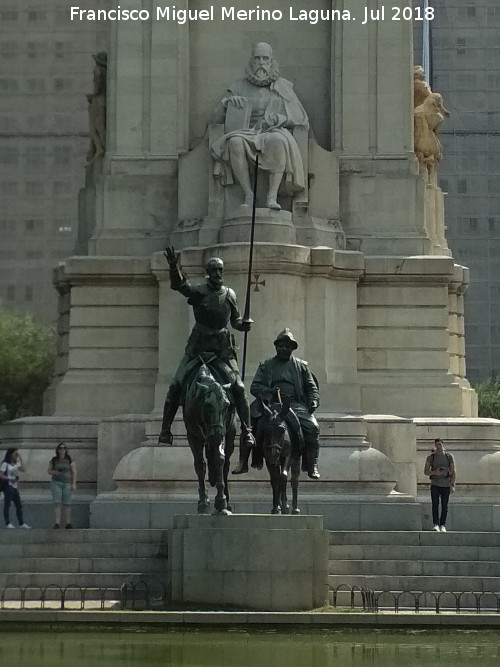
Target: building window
x=8, y=50
x=33, y=224
x=7, y=225
x=8, y=16
x=37, y=16
x=473, y=223
x=494, y=186
x=62, y=155
x=28, y=293
x=62, y=187
x=32, y=49
x=491, y=224
x=11, y=292
x=35, y=156
x=462, y=186
x=8, y=85
x=8, y=155
x=9, y=123
x=35, y=85
x=62, y=84
x=34, y=188
x=9, y=188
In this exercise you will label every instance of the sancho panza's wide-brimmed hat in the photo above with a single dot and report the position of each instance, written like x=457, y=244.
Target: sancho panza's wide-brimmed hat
x=101, y=58
x=286, y=334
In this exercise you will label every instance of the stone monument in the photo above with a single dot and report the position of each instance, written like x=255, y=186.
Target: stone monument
x=353, y=256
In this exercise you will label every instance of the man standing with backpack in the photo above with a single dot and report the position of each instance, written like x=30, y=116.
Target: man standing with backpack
x=440, y=468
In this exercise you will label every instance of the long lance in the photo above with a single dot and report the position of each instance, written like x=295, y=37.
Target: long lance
x=246, y=313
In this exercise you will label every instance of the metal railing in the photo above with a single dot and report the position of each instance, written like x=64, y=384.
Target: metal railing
x=438, y=601
x=130, y=595
x=144, y=596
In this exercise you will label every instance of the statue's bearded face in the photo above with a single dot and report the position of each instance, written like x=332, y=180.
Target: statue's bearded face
x=215, y=269
x=262, y=69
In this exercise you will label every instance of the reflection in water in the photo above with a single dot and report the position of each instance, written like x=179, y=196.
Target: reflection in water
x=237, y=648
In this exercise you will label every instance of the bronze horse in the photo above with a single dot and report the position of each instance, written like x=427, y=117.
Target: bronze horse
x=280, y=456
x=209, y=419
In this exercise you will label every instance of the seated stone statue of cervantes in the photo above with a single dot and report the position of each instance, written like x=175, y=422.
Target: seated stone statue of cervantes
x=259, y=114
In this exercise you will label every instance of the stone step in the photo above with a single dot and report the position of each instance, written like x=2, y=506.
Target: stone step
x=82, y=565
x=91, y=535
x=415, y=538
x=412, y=552
x=402, y=582
x=411, y=568
x=81, y=550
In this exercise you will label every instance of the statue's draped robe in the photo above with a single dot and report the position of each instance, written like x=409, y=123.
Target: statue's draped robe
x=275, y=108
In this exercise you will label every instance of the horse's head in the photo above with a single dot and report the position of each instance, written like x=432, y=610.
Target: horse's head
x=272, y=429
x=211, y=403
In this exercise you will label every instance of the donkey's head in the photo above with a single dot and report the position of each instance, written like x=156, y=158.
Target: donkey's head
x=272, y=430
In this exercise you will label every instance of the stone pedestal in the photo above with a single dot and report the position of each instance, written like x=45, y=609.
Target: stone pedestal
x=249, y=562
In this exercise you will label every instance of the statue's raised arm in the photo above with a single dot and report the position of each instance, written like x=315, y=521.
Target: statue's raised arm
x=171, y=256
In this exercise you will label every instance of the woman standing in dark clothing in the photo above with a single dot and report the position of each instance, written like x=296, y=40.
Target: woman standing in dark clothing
x=9, y=477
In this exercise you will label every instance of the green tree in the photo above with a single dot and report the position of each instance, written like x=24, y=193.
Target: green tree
x=488, y=393
x=27, y=356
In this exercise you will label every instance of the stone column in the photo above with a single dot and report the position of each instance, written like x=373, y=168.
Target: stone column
x=456, y=328
x=381, y=204
x=147, y=129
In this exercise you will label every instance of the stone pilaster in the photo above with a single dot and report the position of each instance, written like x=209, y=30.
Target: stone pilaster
x=147, y=116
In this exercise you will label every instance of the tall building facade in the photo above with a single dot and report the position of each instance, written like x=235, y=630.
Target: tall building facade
x=465, y=58
x=45, y=70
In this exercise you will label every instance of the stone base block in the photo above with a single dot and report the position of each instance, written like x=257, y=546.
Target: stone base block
x=338, y=512
x=40, y=514
x=465, y=516
x=271, y=563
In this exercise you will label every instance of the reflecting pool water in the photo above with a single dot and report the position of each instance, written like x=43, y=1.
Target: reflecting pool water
x=237, y=648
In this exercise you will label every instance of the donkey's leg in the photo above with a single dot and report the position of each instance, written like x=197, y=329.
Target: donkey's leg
x=274, y=478
x=200, y=469
x=295, y=484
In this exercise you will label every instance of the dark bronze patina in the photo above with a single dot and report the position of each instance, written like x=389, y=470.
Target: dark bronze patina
x=281, y=456
x=287, y=376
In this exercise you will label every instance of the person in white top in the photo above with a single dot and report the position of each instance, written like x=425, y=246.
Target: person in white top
x=9, y=477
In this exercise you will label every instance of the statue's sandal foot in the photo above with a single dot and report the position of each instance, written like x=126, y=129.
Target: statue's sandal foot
x=273, y=204
x=247, y=203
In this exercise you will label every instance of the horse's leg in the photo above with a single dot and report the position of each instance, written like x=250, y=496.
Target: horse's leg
x=220, y=502
x=295, y=483
x=200, y=469
x=228, y=450
x=285, y=509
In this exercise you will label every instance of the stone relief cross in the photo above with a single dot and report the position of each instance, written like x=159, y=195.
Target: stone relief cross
x=255, y=282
